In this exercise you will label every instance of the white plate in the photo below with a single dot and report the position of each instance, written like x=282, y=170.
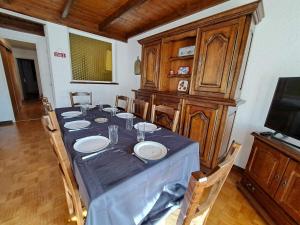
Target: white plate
x=149, y=127
x=150, y=150
x=77, y=124
x=91, y=144
x=101, y=120
x=125, y=115
x=109, y=109
x=71, y=114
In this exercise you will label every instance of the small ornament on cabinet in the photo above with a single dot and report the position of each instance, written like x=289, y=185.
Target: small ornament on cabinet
x=183, y=86
x=183, y=70
x=137, y=66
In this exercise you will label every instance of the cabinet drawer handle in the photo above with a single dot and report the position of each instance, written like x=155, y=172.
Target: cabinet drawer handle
x=253, y=189
x=284, y=183
x=277, y=177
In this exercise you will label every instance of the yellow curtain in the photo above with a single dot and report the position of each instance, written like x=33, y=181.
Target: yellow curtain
x=91, y=59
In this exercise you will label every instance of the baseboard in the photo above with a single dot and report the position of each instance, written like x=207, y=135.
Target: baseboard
x=5, y=123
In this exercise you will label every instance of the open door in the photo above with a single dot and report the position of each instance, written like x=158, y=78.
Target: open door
x=11, y=76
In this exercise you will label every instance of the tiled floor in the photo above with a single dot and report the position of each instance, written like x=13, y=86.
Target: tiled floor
x=32, y=191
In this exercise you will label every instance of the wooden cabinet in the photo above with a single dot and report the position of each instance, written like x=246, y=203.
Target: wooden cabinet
x=288, y=193
x=266, y=166
x=201, y=123
x=150, y=68
x=271, y=181
x=215, y=63
x=218, y=47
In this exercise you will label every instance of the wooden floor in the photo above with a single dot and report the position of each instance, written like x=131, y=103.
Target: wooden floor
x=30, y=110
x=31, y=191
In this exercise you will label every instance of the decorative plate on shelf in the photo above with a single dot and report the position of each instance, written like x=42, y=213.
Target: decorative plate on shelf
x=185, y=51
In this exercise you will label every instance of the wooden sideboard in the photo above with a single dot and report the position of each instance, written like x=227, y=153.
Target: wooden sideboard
x=208, y=107
x=271, y=181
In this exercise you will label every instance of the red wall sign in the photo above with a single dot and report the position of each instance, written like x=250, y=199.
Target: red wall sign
x=60, y=54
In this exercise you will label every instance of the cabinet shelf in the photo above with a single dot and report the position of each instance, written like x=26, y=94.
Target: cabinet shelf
x=179, y=75
x=181, y=58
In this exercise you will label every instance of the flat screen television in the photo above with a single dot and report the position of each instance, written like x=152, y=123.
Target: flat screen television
x=284, y=112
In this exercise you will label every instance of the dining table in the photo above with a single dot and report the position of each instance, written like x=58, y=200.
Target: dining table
x=116, y=187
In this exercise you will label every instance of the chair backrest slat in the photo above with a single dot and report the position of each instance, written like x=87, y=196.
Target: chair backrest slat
x=165, y=116
x=203, y=190
x=78, y=94
x=139, y=108
x=125, y=101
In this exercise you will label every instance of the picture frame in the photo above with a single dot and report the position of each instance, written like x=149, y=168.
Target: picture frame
x=183, y=86
x=186, y=51
x=183, y=70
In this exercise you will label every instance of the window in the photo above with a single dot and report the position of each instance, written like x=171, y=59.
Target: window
x=91, y=59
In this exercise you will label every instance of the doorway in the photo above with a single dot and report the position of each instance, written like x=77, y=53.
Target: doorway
x=23, y=79
x=28, y=79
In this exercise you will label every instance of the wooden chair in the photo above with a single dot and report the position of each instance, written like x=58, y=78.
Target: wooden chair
x=47, y=124
x=203, y=190
x=45, y=99
x=78, y=94
x=125, y=101
x=139, y=108
x=47, y=107
x=70, y=184
x=52, y=116
x=76, y=211
x=165, y=116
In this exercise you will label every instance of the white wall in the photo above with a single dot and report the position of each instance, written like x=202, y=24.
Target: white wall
x=275, y=53
x=58, y=40
x=42, y=55
x=27, y=54
x=6, y=110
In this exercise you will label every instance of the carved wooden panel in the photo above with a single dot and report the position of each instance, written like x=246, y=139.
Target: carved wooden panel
x=201, y=125
x=266, y=166
x=150, y=65
x=288, y=194
x=215, y=61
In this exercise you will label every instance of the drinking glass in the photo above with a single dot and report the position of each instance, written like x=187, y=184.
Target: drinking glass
x=129, y=123
x=140, y=132
x=100, y=107
x=113, y=134
x=83, y=109
x=113, y=111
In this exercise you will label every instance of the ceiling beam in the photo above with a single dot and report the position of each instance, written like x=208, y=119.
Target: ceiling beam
x=120, y=11
x=22, y=25
x=67, y=8
x=6, y=1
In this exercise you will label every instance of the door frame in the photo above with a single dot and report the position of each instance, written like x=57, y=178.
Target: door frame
x=10, y=74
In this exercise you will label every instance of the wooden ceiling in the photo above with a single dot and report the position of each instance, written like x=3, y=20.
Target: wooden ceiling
x=118, y=19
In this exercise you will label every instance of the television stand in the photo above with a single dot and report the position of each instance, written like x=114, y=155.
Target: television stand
x=271, y=181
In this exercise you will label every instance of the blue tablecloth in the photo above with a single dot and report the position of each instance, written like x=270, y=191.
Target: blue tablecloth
x=118, y=188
